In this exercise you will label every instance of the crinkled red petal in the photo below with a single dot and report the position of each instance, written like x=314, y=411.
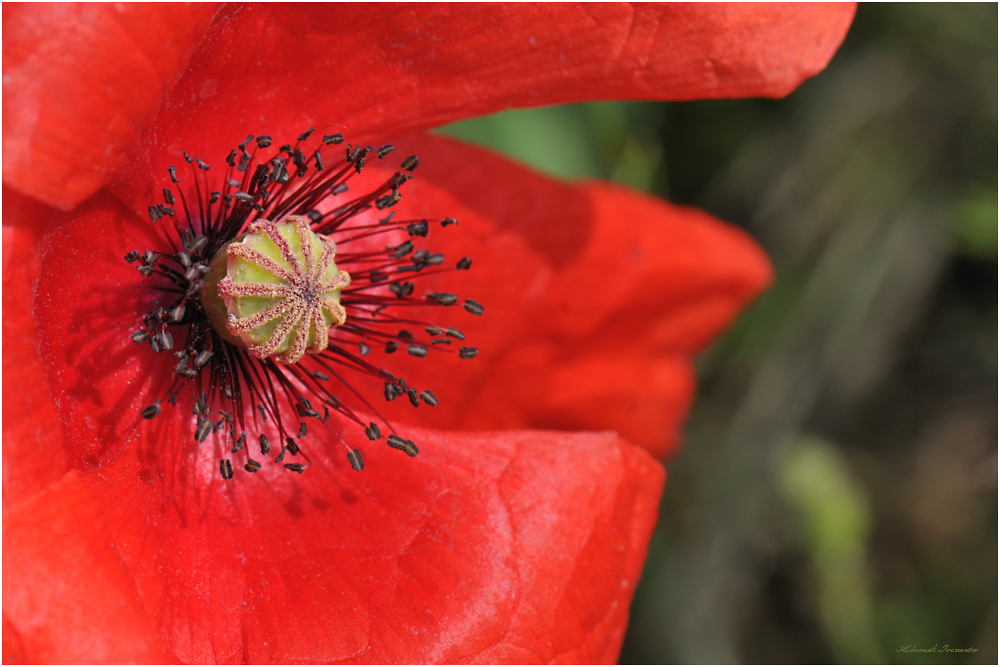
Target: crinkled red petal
x=81, y=86
x=597, y=297
x=374, y=70
x=34, y=452
x=379, y=70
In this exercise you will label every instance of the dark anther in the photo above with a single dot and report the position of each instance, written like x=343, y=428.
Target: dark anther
x=403, y=445
x=240, y=442
x=354, y=457
x=404, y=335
x=417, y=228
x=434, y=259
x=165, y=340
x=372, y=431
x=246, y=142
x=467, y=352
x=185, y=259
x=280, y=173
x=244, y=163
x=442, y=298
x=390, y=392
x=154, y=213
x=263, y=142
x=449, y=221
x=427, y=397
x=133, y=256
x=182, y=368
x=318, y=160
x=214, y=197
x=441, y=341
x=410, y=163
x=251, y=466
x=296, y=467
x=219, y=425
x=232, y=182
x=177, y=313
x=292, y=446
x=411, y=393
x=320, y=375
x=401, y=290
x=231, y=158
x=364, y=349
x=417, y=350
x=203, y=166
x=339, y=189
x=187, y=158
x=314, y=215
x=265, y=444
x=244, y=197
x=305, y=135
x=285, y=148
x=226, y=469
x=455, y=333
x=305, y=409
x=390, y=347
x=464, y=264
x=139, y=336
x=205, y=426
x=383, y=151
x=390, y=199
x=329, y=139
x=173, y=174
x=300, y=160
x=150, y=411
x=402, y=250
x=377, y=276
x=303, y=429
x=168, y=196
x=474, y=307
x=202, y=358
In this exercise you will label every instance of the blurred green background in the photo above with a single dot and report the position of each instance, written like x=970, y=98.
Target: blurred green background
x=837, y=496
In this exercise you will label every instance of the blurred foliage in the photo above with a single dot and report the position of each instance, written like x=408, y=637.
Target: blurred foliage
x=837, y=497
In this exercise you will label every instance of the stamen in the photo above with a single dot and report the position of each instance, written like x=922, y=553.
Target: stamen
x=251, y=287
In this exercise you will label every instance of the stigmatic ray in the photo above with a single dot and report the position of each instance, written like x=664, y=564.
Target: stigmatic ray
x=275, y=291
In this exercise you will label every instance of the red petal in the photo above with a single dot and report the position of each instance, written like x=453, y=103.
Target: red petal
x=385, y=69
x=81, y=84
x=487, y=547
x=597, y=298
x=33, y=447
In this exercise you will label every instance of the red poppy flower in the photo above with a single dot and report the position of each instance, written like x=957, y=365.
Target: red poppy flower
x=122, y=542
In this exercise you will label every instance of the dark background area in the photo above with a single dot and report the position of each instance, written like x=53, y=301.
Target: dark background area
x=837, y=495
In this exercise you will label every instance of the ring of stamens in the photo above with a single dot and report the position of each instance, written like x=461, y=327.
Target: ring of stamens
x=282, y=289
x=246, y=387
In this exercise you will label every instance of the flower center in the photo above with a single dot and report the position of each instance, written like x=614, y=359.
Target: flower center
x=281, y=290
x=266, y=327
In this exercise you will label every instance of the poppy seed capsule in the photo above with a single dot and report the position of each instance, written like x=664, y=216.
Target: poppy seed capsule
x=276, y=290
